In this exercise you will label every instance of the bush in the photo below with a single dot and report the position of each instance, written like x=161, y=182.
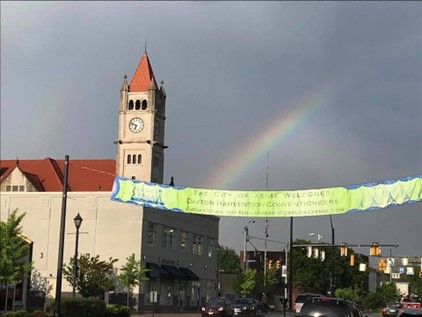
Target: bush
x=38, y=313
x=373, y=301
x=17, y=313
x=82, y=307
x=114, y=310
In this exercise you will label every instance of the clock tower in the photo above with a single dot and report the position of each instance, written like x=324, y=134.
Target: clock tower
x=140, y=142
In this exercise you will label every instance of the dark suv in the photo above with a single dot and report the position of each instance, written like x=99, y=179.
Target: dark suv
x=331, y=307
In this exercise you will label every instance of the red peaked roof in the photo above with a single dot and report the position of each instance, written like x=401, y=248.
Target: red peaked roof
x=85, y=175
x=143, y=75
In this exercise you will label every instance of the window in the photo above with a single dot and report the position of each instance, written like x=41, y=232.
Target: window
x=130, y=104
x=151, y=234
x=183, y=241
x=134, y=159
x=15, y=188
x=8, y=188
x=168, y=238
x=210, y=247
x=200, y=245
x=137, y=105
x=21, y=188
x=129, y=159
x=139, y=158
x=144, y=104
x=197, y=244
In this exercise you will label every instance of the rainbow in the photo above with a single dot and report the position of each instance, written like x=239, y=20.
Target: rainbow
x=283, y=126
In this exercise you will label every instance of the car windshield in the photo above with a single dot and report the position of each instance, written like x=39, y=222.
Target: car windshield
x=216, y=302
x=241, y=301
x=393, y=305
x=324, y=308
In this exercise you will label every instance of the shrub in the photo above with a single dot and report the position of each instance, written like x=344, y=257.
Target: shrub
x=17, y=313
x=38, y=313
x=82, y=307
x=115, y=310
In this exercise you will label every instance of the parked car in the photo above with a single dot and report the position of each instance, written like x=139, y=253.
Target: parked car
x=332, y=307
x=245, y=307
x=217, y=306
x=300, y=299
x=410, y=312
x=391, y=309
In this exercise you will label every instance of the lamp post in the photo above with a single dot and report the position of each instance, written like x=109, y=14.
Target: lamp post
x=332, y=283
x=246, y=238
x=78, y=221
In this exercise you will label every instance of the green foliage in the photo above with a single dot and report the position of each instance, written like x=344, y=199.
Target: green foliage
x=245, y=282
x=387, y=292
x=83, y=307
x=228, y=260
x=13, y=250
x=313, y=275
x=95, y=276
x=17, y=313
x=132, y=274
x=38, y=313
x=114, y=310
x=373, y=301
x=415, y=282
x=348, y=293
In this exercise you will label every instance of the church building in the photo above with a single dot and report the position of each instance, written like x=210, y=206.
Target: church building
x=179, y=250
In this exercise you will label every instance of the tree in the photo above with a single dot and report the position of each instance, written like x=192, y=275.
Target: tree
x=348, y=293
x=312, y=275
x=14, y=248
x=245, y=282
x=228, y=260
x=132, y=274
x=95, y=276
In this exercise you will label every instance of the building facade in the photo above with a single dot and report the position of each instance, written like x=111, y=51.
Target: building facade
x=179, y=250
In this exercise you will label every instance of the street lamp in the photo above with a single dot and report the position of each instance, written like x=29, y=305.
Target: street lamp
x=332, y=280
x=78, y=221
x=246, y=238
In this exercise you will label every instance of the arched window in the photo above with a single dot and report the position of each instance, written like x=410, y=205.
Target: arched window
x=130, y=104
x=134, y=159
x=139, y=158
x=128, y=159
x=137, y=105
x=144, y=104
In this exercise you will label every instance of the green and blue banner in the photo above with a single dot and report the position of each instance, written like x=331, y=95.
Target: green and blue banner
x=294, y=203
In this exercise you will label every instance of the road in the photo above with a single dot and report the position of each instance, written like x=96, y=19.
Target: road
x=197, y=314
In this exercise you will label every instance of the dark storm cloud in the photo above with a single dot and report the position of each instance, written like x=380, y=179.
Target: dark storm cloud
x=229, y=68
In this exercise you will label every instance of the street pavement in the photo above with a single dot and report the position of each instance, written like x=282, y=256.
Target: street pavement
x=198, y=314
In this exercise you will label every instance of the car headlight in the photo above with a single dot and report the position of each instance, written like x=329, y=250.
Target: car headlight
x=203, y=308
x=220, y=308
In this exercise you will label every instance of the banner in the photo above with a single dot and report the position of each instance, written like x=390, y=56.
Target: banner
x=295, y=203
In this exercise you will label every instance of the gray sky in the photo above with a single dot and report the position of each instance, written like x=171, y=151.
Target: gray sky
x=333, y=88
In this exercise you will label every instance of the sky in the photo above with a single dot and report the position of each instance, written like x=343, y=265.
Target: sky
x=260, y=96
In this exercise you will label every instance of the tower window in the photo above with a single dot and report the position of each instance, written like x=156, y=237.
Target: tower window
x=139, y=158
x=144, y=104
x=134, y=159
x=137, y=105
x=130, y=104
x=129, y=157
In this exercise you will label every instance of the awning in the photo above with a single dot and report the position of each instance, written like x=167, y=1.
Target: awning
x=191, y=276
x=155, y=270
x=174, y=272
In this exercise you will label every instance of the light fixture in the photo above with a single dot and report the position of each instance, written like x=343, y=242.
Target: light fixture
x=78, y=221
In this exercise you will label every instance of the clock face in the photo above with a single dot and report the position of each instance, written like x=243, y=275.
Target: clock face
x=136, y=125
x=156, y=128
